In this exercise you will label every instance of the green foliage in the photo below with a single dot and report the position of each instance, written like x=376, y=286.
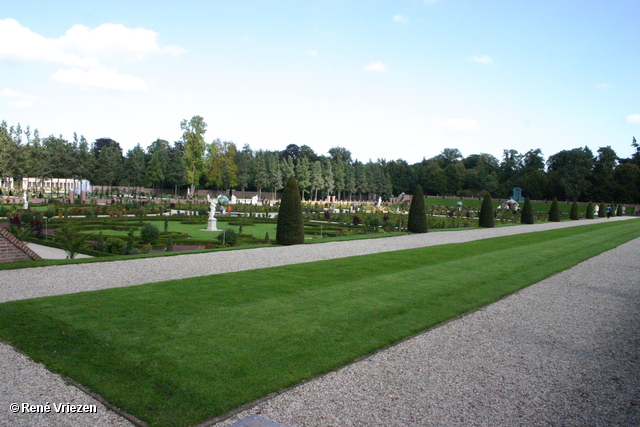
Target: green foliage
x=527, y=212
x=417, y=221
x=115, y=245
x=267, y=239
x=169, y=244
x=149, y=233
x=589, y=214
x=619, y=211
x=99, y=246
x=486, y=217
x=71, y=241
x=602, y=210
x=574, y=214
x=229, y=237
x=554, y=211
x=166, y=223
x=290, y=228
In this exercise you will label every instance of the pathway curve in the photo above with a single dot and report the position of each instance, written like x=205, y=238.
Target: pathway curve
x=544, y=356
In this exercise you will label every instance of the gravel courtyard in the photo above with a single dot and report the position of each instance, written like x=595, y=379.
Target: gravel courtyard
x=564, y=351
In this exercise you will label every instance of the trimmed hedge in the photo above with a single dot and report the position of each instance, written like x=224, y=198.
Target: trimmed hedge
x=554, y=212
x=574, y=214
x=486, y=218
x=417, y=221
x=527, y=212
x=290, y=228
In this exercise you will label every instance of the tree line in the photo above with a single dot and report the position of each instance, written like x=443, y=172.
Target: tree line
x=576, y=174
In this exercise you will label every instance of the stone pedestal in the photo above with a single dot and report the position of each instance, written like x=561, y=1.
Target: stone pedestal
x=212, y=226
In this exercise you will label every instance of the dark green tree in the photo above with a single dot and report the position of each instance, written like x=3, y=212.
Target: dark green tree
x=589, y=214
x=574, y=214
x=486, y=219
x=554, y=212
x=290, y=228
x=527, y=212
x=619, y=211
x=602, y=210
x=417, y=222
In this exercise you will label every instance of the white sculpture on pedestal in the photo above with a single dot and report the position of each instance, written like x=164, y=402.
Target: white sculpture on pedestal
x=212, y=221
x=25, y=202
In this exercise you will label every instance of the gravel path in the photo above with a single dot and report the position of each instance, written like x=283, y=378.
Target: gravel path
x=545, y=356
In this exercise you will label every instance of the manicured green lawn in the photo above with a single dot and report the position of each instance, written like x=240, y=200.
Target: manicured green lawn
x=180, y=352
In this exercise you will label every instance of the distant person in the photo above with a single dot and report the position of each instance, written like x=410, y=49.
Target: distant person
x=608, y=211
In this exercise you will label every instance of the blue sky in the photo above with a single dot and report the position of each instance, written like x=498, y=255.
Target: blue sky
x=385, y=79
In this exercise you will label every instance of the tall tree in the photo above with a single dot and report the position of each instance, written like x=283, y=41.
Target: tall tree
x=194, y=149
x=135, y=166
x=317, y=181
x=303, y=176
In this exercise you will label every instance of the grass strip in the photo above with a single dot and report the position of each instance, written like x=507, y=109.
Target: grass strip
x=180, y=352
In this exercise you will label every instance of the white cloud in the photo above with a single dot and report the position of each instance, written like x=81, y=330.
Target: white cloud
x=376, y=66
x=101, y=77
x=312, y=53
x=603, y=86
x=400, y=18
x=111, y=40
x=633, y=118
x=87, y=51
x=17, y=99
x=466, y=125
x=484, y=59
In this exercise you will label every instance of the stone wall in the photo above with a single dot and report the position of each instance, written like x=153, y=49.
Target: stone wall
x=12, y=249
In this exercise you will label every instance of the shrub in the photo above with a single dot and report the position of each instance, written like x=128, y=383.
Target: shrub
x=356, y=220
x=267, y=239
x=290, y=228
x=589, y=214
x=115, y=245
x=229, y=237
x=71, y=241
x=149, y=233
x=26, y=217
x=527, y=212
x=554, y=211
x=619, y=211
x=417, y=222
x=602, y=210
x=574, y=214
x=327, y=214
x=486, y=218
x=99, y=246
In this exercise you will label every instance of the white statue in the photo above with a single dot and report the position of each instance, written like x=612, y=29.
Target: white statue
x=212, y=205
x=25, y=202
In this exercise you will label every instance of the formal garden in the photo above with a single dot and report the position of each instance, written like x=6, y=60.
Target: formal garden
x=126, y=226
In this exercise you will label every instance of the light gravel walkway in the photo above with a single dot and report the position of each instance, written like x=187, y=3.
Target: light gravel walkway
x=561, y=352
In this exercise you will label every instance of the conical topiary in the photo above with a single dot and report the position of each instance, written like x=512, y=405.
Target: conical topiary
x=267, y=239
x=527, y=212
x=574, y=214
x=417, y=221
x=589, y=214
x=486, y=219
x=554, y=212
x=620, y=210
x=169, y=244
x=290, y=228
x=602, y=210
